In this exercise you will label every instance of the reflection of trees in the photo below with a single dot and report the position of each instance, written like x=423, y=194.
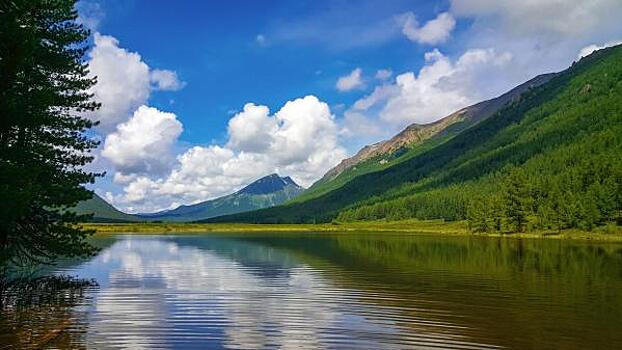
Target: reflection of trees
x=507, y=292
x=37, y=309
x=38, y=312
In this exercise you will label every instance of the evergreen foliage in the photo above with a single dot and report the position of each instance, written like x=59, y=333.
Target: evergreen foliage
x=548, y=160
x=517, y=200
x=43, y=144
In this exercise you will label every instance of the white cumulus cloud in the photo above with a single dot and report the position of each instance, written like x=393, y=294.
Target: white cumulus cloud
x=299, y=140
x=591, y=48
x=142, y=145
x=165, y=80
x=351, y=81
x=251, y=130
x=124, y=81
x=441, y=86
x=435, y=31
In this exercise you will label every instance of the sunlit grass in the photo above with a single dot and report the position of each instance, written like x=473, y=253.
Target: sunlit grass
x=456, y=228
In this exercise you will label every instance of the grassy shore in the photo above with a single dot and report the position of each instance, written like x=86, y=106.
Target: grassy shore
x=609, y=233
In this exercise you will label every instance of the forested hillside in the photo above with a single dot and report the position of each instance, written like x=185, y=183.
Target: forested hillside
x=103, y=211
x=549, y=159
x=414, y=140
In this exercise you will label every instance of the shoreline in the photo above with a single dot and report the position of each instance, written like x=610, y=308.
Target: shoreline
x=432, y=227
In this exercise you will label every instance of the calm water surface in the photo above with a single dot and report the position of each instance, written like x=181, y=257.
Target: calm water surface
x=315, y=291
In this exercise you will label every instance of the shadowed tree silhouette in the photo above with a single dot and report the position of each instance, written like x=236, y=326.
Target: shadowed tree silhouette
x=44, y=94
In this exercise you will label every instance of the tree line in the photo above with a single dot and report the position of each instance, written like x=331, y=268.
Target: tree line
x=540, y=131
x=578, y=186
x=550, y=160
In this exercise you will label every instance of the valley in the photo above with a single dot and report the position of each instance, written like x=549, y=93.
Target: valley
x=311, y=175
x=544, y=157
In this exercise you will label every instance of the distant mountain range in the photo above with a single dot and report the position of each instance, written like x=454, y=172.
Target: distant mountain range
x=546, y=154
x=556, y=140
x=268, y=191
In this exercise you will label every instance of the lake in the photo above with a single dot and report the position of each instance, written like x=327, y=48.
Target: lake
x=334, y=291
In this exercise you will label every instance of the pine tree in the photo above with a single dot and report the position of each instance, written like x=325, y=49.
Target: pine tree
x=43, y=144
x=477, y=216
x=496, y=212
x=517, y=200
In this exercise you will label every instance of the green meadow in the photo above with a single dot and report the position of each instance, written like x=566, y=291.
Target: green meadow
x=412, y=227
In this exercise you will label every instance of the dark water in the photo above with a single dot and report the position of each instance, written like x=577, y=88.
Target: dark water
x=309, y=291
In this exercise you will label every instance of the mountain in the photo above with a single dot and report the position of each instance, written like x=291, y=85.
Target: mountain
x=414, y=139
x=102, y=211
x=266, y=192
x=549, y=157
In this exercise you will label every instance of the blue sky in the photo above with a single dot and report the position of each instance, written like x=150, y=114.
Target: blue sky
x=213, y=46
x=175, y=80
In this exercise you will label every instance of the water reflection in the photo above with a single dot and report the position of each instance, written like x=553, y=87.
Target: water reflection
x=259, y=291
x=38, y=312
x=512, y=293
x=174, y=293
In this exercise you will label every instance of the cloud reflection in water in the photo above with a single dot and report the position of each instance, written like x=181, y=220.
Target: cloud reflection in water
x=163, y=293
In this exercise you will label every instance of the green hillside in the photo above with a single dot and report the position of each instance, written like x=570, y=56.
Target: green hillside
x=414, y=140
x=102, y=211
x=374, y=164
x=266, y=192
x=550, y=158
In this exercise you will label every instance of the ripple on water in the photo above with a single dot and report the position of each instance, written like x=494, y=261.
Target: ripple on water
x=240, y=292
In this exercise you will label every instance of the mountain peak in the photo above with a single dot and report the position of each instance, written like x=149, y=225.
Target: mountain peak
x=290, y=181
x=269, y=184
x=268, y=191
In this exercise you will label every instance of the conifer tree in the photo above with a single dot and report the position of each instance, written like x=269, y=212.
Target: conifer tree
x=517, y=200
x=478, y=216
x=44, y=94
